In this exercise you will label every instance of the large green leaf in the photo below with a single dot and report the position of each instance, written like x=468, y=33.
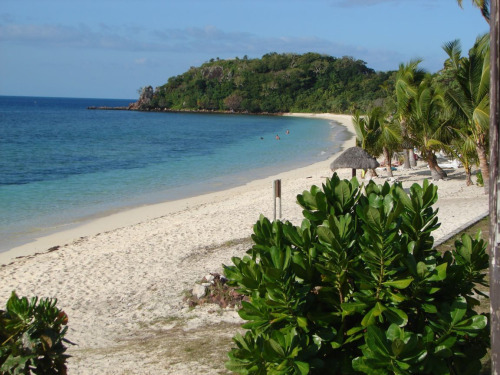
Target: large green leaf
x=343, y=194
x=303, y=367
x=377, y=342
x=458, y=310
x=396, y=316
x=471, y=325
x=369, y=318
x=353, y=307
x=399, y=284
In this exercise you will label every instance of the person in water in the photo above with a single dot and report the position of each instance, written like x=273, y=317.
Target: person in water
x=277, y=137
x=287, y=131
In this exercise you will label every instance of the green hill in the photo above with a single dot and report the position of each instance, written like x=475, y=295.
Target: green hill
x=274, y=83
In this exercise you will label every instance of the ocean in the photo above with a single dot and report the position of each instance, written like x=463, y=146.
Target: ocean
x=62, y=164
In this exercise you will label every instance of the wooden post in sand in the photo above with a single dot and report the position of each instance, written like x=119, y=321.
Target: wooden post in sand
x=494, y=184
x=277, y=194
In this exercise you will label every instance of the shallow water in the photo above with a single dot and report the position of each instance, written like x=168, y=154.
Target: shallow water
x=61, y=163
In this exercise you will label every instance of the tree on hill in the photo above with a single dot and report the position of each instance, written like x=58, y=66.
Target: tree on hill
x=275, y=83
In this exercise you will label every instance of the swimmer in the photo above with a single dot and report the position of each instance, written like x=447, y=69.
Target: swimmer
x=277, y=137
x=287, y=131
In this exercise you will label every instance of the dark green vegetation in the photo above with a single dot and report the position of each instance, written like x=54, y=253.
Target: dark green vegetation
x=358, y=288
x=482, y=226
x=274, y=83
x=32, y=337
x=446, y=112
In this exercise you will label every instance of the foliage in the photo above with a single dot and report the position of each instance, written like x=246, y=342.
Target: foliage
x=358, y=288
x=469, y=97
x=407, y=78
x=479, y=177
x=431, y=128
x=483, y=5
x=32, y=337
x=464, y=150
x=378, y=133
x=274, y=83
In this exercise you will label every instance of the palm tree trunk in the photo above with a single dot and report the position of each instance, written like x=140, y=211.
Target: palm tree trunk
x=413, y=162
x=436, y=172
x=442, y=173
x=483, y=165
x=468, y=176
x=388, y=165
x=406, y=154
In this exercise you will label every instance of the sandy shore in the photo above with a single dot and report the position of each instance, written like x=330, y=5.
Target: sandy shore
x=122, y=279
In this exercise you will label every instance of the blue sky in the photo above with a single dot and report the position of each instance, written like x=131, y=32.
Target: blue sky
x=111, y=48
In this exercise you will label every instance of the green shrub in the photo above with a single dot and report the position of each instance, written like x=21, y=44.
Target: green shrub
x=479, y=177
x=358, y=288
x=32, y=336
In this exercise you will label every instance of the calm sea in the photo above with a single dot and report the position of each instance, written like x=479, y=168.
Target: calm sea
x=61, y=164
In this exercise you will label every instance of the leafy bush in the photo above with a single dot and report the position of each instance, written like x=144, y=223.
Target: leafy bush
x=358, y=288
x=479, y=176
x=31, y=339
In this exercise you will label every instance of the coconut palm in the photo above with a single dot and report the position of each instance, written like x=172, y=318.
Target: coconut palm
x=408, y=78
x=470, y=99
x=378, y=134
x=430, y=128
x=464, y=150
x=483, y=5
x=364, y=128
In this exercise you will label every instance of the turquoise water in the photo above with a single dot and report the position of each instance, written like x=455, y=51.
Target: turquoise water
x=61, y=164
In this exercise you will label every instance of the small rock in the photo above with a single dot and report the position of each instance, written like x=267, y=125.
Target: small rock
x=199, y=290
x=209, y=278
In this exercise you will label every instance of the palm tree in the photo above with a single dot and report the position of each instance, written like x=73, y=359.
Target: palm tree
x=364, y=135
x=408, y=78
x=388, y=137
x=465, y=151
x=364, y=130
x=470, y=99
x=430, y=128
x=484, y=5
x=378, y=134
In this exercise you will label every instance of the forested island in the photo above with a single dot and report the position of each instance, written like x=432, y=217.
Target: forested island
x=275, y=83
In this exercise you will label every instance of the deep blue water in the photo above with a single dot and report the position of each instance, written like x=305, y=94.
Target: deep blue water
x=61, y=163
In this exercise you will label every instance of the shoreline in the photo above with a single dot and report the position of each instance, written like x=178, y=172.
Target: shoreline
x=123, y=286
x=135, y=215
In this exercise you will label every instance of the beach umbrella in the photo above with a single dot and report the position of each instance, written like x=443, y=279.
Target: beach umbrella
x=354, y=158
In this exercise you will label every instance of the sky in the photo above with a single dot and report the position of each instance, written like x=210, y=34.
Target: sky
x=112, y=48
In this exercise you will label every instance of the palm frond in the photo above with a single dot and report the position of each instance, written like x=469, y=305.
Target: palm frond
x=481, y=115
x=359, y=124
x=454, y=50
x=483, y=5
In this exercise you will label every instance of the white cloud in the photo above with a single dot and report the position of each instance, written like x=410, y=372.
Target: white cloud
x=208, y=41
x=72, y=37
x=140, y=61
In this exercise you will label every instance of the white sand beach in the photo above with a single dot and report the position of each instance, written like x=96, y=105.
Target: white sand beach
x=122, y=279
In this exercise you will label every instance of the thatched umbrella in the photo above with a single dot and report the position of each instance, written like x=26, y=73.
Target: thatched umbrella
x=355, y=158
